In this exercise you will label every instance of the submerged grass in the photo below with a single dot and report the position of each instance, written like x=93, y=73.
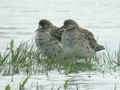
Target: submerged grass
x=7, y=87
x=26, y=58
x=21, y=86
x=16, y=59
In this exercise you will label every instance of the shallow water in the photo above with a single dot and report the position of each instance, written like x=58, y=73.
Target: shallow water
x=19, y=18
x=82, y=81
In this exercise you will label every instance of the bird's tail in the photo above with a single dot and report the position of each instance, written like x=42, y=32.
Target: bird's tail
x=99, y=48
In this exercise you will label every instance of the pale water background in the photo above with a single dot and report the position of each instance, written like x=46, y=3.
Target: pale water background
x=19, y=18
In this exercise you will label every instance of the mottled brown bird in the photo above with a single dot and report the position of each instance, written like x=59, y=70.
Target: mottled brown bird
x=88, y=35
x=79, y=41
x=47, y=44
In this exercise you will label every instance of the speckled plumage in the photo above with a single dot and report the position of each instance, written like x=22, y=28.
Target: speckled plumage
x=47, y=44
x=56, y=33
x=77, y=40
x=92, y=41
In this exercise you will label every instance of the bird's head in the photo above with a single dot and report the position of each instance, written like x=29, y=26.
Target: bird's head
x=69, y=24
x=45, y=24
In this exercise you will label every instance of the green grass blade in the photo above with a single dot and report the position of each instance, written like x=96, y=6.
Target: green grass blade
x=24, y=82
x=7, y=87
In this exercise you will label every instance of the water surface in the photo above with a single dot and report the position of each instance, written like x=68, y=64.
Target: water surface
x=19, y=18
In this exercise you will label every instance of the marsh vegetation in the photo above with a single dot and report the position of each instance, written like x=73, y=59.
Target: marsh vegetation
x=28, y=60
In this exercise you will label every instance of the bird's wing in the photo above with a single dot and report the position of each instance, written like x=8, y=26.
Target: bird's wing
x=90, y=37
x=56, y=32
x=53, y=40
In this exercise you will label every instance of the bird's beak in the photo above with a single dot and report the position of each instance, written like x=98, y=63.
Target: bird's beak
x=62, y=28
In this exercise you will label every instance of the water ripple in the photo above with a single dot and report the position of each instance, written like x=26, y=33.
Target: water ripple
x=11, y=28
x=24, y=33
x=29, y=11
x=103, y=27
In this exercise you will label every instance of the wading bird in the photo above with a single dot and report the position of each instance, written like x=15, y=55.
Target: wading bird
x=47, y=44
x=78, y=41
